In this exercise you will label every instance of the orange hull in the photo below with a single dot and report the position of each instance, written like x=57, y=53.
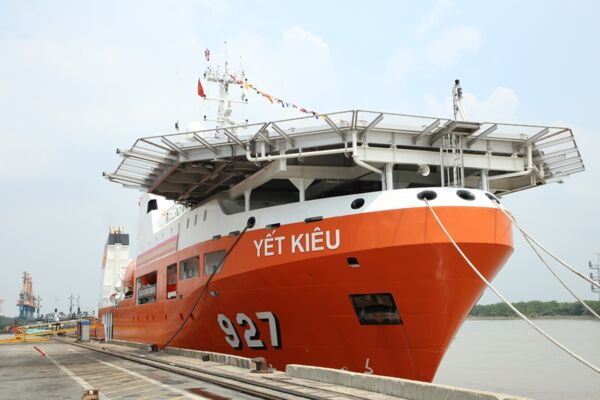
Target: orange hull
x=401, y=252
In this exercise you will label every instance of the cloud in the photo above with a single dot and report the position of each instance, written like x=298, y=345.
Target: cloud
x=433, y=16
x=402, y=62
x=501, y=105
x=443, y=51
x=456, y=42
x=437, y=51
x=297, y=67
x=70, y=97
x=216, y=8
x=440, y=51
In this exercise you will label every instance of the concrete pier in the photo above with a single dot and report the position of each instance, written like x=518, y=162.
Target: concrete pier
x=65, y=371
x=62, y=370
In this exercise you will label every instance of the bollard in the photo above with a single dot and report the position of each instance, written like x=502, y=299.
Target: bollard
x=261, y=366
x=90, y=394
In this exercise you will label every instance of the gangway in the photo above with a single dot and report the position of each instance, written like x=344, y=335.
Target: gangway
x=42, y=332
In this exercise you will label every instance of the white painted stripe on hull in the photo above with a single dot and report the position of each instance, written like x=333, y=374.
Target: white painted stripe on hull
x=219, y=223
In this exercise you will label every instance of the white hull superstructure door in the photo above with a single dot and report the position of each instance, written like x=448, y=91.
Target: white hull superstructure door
x=107, y=322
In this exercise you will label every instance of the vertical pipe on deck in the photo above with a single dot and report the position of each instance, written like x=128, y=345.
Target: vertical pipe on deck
x=247, y=200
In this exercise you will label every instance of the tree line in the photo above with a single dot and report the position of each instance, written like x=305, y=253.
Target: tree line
x=536, y=309
x=5, y=322
x=533, y=309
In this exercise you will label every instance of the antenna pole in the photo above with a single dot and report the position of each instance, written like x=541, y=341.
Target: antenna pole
x=595, y=273
x=226, y=64
x=457, y=97
x=224, y=79
x=71, y=298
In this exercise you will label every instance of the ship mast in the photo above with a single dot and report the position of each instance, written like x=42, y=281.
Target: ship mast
x=224, y=79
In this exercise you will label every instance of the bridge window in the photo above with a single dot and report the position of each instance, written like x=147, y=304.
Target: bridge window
x=172, y=281
x=213, y=262
x=188, y=268
x=146, y=288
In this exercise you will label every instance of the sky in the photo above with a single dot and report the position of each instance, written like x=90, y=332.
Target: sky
x=80, y=79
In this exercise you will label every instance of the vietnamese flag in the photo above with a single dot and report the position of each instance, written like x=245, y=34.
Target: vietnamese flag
x=200, y=89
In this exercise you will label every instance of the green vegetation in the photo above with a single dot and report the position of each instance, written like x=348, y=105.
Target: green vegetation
x=536, y=309
x=5, y=322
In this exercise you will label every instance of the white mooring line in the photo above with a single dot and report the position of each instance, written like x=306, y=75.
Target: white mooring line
x=508, y=303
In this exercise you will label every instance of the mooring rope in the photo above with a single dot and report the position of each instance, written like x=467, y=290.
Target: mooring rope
x=249, y=224
x=551, y=254
x=558, y=278
x=509, y=304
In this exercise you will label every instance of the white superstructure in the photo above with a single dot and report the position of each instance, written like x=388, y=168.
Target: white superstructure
x=114, y=264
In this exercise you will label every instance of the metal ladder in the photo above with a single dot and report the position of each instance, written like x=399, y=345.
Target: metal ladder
x=452, y=167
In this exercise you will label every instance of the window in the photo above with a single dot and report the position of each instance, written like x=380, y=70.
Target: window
x=171, y=281
x=187, y=224
x=196, y=220
x=152, y=205
x=189, y=268
x=204, y=216
x=213, y=262
x=375, y=309
x=146, y=288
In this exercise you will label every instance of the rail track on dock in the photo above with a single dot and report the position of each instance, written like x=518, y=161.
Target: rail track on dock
x=269, y=388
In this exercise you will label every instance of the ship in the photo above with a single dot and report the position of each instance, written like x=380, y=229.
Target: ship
x=312, y=241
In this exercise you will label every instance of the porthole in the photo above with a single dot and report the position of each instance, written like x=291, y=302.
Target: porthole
x=427, y=195
x=465, y=195
x=357, y=203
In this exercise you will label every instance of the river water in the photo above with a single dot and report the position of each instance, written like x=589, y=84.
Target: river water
x=508, y=356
